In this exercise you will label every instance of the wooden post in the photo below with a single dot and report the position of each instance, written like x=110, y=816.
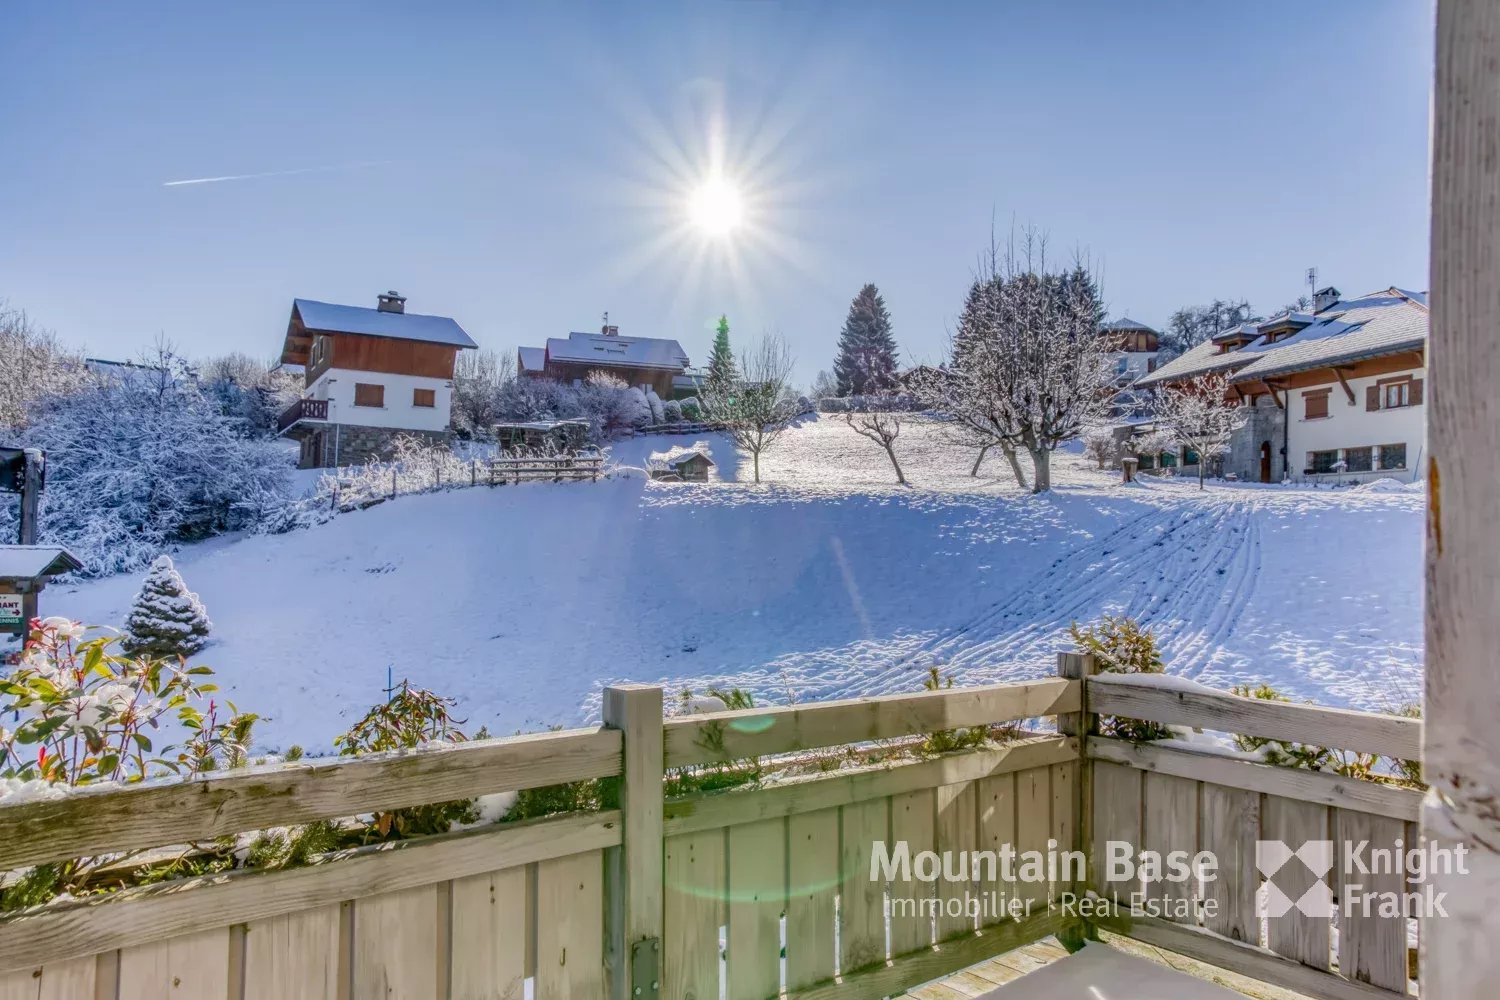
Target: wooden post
x=1461, y=751
x=1079, y=726
x=633, y=888
x=31, y=494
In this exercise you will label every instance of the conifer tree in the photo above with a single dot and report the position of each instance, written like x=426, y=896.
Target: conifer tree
x=722, y=371
x=866, y=362
x=167, y=619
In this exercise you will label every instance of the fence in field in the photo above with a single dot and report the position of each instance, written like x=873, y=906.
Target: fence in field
x=634, y=901
x=558, y=469
x=681, y=427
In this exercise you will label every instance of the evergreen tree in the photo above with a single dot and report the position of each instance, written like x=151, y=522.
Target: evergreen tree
x=722, y=371
x=167, y=619
x=866, y=362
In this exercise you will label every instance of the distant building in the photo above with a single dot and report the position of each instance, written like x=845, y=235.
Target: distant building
x=370, y=376
x=1334, y=395
x=647, y=362
x=1133, y=348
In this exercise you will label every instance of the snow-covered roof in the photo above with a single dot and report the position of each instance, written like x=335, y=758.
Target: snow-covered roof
x=329, y=317
x=1381, y=323
x=616, y=351
x=1371, y=326
x=1125, y=323
x=533, y=359
x=30, y=561
x=678, y=454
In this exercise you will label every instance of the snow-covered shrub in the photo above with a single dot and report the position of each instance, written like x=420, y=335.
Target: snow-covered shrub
x=1121, y=646
x=671, y=411
x=637, y=409
x=692, y=409
x=522, y=399
x=166, y=619
x=834, y=404
x=134, y=464
x=1099, y=444
x=658, y=413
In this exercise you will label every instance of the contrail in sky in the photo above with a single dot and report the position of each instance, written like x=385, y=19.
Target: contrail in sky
x=274, y=173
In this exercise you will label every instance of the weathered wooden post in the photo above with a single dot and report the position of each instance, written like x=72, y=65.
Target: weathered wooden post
x=1079, y=726
x=633, y=871
x=1129, y=466
x=1461, y=744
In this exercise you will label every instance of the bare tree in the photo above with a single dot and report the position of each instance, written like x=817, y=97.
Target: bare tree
x=1202, y=414
x=969, y=415
x=758, y=405
x=1099, y=444
x=880, y=421
x=477, y=379
x=1030, y=370
x=35, y=367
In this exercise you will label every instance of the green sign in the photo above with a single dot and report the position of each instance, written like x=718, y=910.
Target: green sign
x=10, y=613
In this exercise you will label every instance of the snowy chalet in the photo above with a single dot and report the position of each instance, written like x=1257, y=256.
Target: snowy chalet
x=1334, y=395
x=647, y=362
x=371, y=376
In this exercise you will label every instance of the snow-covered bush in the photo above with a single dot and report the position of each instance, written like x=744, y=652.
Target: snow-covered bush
x=522, y=399
x=1121, y=646
x=136, y=463
x=692, y=409
x=1099, y=444
x=167, y=619
x=658, y=413
x=671, y=411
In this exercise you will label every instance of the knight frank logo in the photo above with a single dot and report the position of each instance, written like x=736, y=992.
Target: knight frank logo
x=1313, y=860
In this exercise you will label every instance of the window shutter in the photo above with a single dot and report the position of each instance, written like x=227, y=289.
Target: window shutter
x=1372, y=397
x=1416, y=392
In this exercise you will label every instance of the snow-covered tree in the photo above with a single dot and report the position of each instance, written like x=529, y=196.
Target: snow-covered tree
x=145, y=459
x=880, y=421
x=1029, y=370
x=1203, y=414
x=866, y=361
x=692, y=409
x=1099, y=444
x=722, y=371
x=35, y=367
x=478, y=380
x=658, y=414
x=166, y=619
x=248, y=390
x=824, y=385
x=1152, y=442
x=1192, y=325
x=756, y=409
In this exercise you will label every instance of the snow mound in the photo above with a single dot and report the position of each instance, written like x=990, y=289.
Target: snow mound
x=1385, y=484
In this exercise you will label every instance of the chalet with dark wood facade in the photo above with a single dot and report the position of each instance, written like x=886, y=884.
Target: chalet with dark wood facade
x=371, y=375
x=1334, y=395
x=648, y=362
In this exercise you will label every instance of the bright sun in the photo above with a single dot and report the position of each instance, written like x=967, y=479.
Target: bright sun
x=715, y=207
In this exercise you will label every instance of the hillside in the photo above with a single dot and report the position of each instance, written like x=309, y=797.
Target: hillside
x=828, y=580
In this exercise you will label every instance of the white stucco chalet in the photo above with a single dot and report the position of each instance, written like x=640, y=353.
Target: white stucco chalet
x=1336, y=395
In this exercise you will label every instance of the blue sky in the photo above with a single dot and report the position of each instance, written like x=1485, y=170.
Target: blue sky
x=524, y=168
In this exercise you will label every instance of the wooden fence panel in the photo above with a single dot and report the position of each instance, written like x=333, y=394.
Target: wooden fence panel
x=191, y=966
x=297, y=955
x=693, y=912
x=996, y=799
x=813, y=873
x=1230, y=819
x=912, y=817
x=1117, y=816
x=1170, y=823
x=861, y=898
x=1294, y=934
x=490, y=935
x=957, y=833
x=66, y=980
x=396, y=945
x=570, y=927
x=1372, y=940
x=1033, y=828
x=757, y=898
x=1064, y=826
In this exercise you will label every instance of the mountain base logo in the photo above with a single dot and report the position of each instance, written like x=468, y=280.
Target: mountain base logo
x=1298, y=879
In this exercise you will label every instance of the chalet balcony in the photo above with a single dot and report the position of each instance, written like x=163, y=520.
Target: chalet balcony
x=302, y=409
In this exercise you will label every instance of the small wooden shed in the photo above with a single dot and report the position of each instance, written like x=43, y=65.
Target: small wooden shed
x=687, y=465
x=24, y=571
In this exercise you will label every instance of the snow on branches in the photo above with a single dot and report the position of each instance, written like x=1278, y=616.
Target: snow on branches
x=759, y=405
x=1202, y=414
x=167, y=619
x=880, y=421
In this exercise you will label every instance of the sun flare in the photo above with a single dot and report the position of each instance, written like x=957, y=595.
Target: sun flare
x=715, y=207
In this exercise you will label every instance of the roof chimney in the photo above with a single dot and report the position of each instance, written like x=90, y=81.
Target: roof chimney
x=390, y=302
x=1324, y=298
x=610, y=331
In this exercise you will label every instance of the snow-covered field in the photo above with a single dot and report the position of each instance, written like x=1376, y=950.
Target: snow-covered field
x=826, y=581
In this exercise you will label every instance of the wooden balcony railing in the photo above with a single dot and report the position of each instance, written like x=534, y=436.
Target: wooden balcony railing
x=302, y=409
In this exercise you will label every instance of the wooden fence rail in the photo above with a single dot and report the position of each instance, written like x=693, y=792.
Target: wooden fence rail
x=606, y=903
